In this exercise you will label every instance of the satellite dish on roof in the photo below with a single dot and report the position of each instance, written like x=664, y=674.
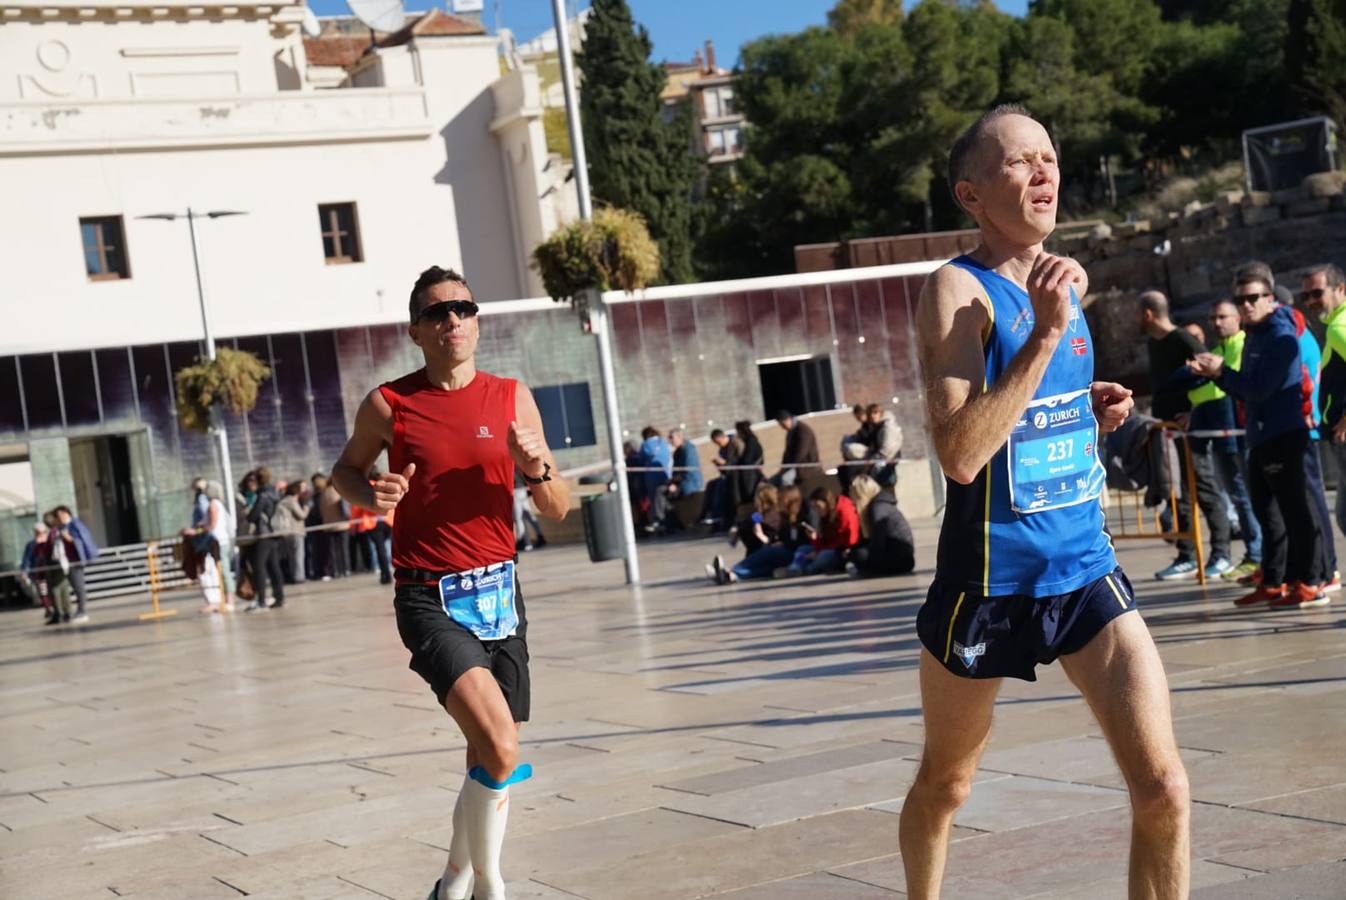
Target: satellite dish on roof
x=380, y=15
x=312, y=27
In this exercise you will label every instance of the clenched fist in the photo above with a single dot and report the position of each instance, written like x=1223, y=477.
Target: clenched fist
x=391, y=488
x=529, y=450
x=1049, y=290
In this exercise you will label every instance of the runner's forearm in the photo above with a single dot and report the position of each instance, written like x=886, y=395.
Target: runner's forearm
x=353, y=486
x=552, y=498
x=967, y=438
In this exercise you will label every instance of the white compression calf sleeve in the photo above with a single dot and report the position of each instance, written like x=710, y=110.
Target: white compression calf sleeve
x=457, y=881
x=487, y=812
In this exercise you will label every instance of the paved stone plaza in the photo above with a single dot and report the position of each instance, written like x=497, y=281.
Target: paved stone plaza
x=751, y=742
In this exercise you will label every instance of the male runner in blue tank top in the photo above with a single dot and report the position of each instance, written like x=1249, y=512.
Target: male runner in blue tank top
x=1025, y=572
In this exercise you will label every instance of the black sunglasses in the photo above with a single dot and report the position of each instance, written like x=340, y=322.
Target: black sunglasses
x=439, y=312
x=1314, y=294
x=1250, y=298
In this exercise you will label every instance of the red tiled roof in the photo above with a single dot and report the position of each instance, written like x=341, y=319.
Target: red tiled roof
x=335, y=51
x=433, y=24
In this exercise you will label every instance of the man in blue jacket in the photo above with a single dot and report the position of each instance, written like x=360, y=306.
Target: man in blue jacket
x=80, y=549
x=1271, y=385
x=686, y=481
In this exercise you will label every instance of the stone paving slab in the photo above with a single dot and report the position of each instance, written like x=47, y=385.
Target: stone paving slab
x=753, y=741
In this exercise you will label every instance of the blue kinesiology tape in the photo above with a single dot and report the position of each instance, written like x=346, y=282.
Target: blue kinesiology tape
x=481, y=776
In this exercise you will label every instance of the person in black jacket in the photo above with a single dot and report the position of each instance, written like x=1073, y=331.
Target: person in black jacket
x=743, y=482
x=801, y=446
x=888, y=547
x=267, y=550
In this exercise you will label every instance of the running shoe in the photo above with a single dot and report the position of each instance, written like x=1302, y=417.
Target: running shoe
x=1333, y=586
x=1254, y=579
x=1261, y=595
x=1301, y=596
x=1217, y=567
x=1181, y=568
x=1242, y=570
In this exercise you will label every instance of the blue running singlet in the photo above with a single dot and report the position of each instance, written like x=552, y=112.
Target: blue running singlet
x=1031, y=522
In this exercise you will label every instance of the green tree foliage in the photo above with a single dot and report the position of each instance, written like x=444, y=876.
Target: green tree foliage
x=850, y=125
x=638, y=159
x=849, y=16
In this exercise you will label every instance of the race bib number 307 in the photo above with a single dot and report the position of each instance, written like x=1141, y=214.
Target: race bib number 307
x=482, y=600
x=1053, y=454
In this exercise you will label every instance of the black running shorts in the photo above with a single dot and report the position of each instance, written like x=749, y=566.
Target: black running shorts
x=1008, y=637
x=442, y=650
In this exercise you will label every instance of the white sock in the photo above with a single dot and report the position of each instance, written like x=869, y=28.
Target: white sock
x=457, y=881
x=486, y=812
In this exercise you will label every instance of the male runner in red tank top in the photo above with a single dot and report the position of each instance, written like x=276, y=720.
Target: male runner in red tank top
x=454, y=436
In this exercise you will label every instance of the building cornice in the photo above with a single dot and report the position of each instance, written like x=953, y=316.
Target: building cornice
x=280, y=13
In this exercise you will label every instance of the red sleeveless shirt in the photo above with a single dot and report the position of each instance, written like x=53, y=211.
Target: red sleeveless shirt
x=458, y=512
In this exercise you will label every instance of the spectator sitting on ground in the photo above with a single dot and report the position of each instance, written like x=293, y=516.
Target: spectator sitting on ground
x=888, y=547
x=801, y=447
x=838, y=531
x=797, y=524
x=757, y=530
x=686, y=480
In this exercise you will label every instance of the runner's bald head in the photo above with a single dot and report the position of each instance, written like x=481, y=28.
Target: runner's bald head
x=967, y=161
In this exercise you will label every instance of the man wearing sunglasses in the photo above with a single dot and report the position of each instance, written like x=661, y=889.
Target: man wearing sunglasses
x=1271, y=384
x=455, y=436
x=1323, y=293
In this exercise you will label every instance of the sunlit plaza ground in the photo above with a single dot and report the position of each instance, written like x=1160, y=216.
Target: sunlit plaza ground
x=752, y=741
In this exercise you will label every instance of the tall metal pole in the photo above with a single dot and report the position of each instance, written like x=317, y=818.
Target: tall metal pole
x=217, y=423
x=598, y=309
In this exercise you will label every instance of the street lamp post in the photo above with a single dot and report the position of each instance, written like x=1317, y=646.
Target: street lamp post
x=217, y=426
x=598, y=309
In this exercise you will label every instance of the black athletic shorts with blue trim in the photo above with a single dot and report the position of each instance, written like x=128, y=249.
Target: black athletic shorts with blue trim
x=1008, y=637
x=442, y=650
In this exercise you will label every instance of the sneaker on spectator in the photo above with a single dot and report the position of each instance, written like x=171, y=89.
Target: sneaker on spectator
x=1217, y=567
x=80, y=619
x=1254, y=578
x=1261, y=595
x=1242, y=570
x=1333, y=586
x=1301, y=595
x=1181, y=568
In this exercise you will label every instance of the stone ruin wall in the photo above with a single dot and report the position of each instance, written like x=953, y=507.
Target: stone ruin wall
x=1191, y=257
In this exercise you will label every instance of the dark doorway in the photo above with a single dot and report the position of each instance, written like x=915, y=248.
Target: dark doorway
x=801, y=385
x=104, y=489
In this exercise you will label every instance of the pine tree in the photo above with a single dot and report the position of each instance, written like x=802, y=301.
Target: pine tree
x=638, y=159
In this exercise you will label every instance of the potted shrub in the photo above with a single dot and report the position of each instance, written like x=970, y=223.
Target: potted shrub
x=230, y=380
x=613, y=250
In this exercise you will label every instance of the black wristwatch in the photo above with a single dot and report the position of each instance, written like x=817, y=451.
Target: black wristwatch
x=546, y=474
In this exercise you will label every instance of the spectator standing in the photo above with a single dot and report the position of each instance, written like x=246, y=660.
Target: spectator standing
x=1323, y=292
x=289, y=520
x=317, y=552
x=267, y=549
x=1169, y=348
x=336, y=524
x=745, y=480
x=31, y=577
x=1214, y=410
x=801, y=447
x=656, y=454
x=80, y=550
x=54, y=560
x=200, y=503
x=372, y=531
x=1270, y=383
